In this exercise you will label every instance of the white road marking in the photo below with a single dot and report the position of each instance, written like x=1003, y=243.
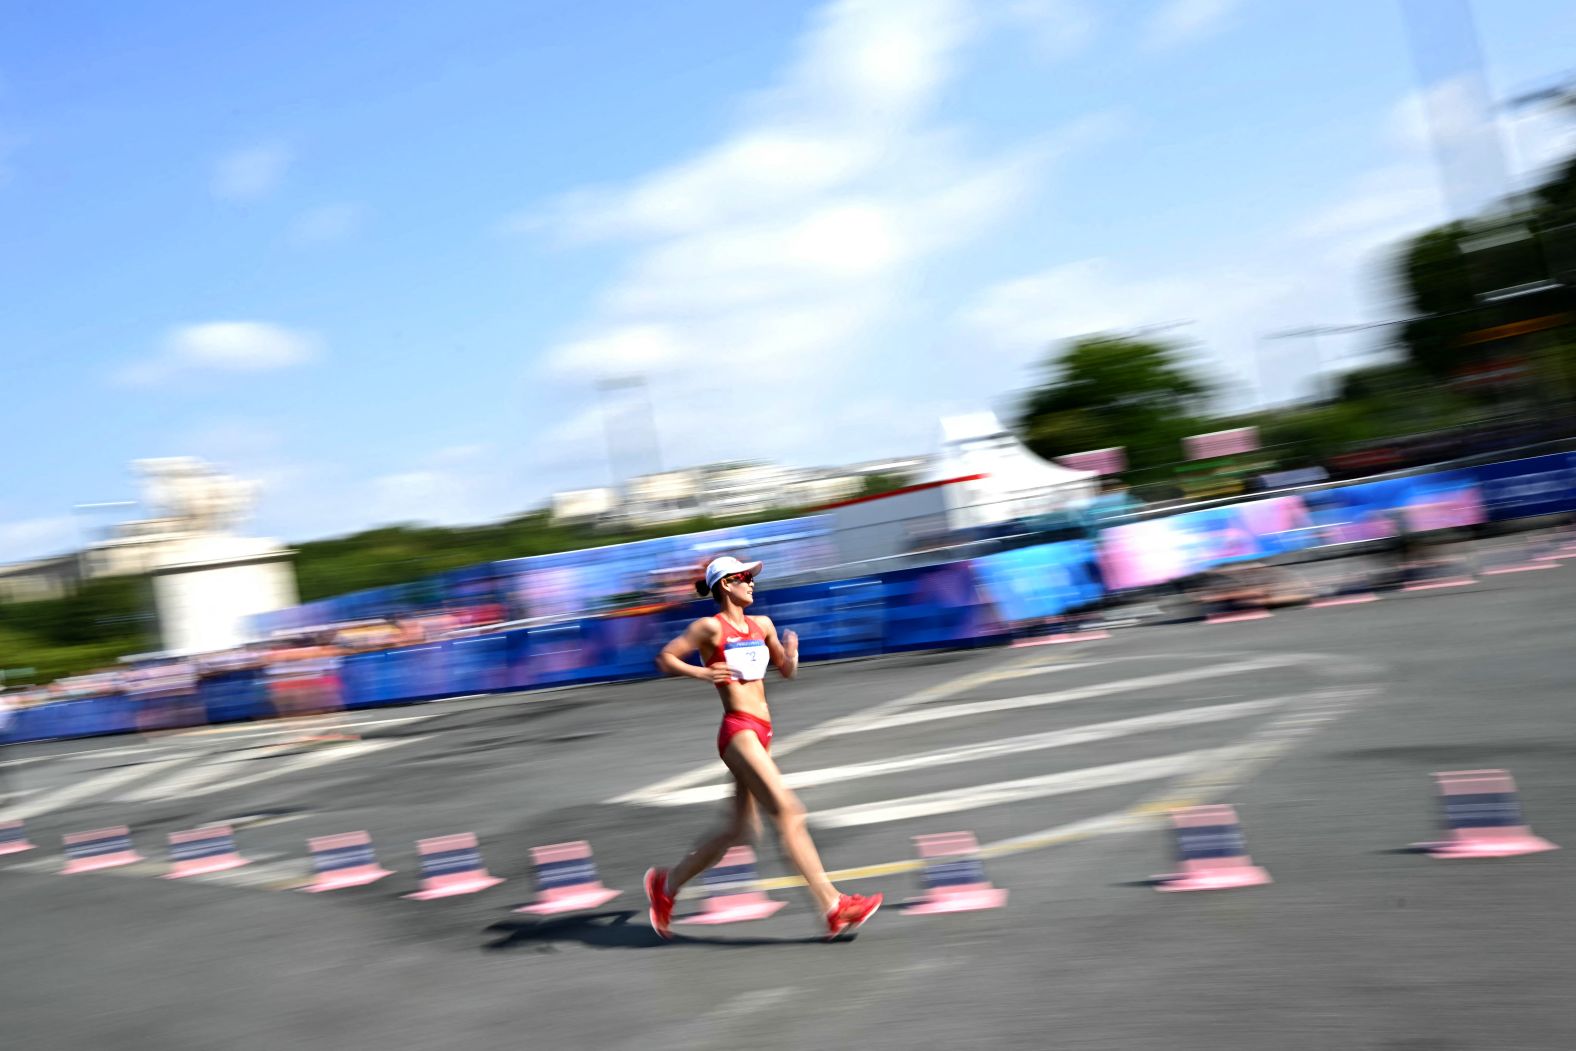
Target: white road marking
x=905, y=710
x=994, y=749
x=93, y=786
x=828, y=729
x=958, y=799
x=968, y=709
x=305, y=762
x=201, y=771
x=1229, y=767
x=206, y=777
x=105, y=753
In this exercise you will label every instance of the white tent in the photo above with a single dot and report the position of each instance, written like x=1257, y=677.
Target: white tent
x=1012, y=483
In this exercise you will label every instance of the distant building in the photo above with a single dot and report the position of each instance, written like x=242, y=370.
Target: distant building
x=207, y=579
x=724, y=490
x=737, y=490
x=825, y=487
x=40, y=579
x=908, y=468
x=584, y=506
x=667, y=496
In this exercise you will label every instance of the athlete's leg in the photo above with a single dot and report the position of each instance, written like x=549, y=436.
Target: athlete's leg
x=743, y=826
x=753, y=767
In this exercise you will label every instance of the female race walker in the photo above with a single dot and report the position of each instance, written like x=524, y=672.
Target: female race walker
x=736, y=649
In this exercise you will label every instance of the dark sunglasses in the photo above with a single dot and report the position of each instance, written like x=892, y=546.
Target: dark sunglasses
x=739, y=578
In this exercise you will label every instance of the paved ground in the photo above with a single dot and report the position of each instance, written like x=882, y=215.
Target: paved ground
x=1321, y=726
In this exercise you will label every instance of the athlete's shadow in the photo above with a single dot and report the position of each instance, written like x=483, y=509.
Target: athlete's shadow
x=612, y=930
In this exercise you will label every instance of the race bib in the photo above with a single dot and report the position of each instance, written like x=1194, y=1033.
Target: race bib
x=748, y=659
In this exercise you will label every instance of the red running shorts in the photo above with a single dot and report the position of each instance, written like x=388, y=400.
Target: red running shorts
x=739, y=722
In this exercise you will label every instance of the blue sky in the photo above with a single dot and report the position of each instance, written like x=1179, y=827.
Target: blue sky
x=378, y=255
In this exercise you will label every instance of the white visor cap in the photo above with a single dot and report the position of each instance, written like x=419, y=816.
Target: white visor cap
x=726, y=566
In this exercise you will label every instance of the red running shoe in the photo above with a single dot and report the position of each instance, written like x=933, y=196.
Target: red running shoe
x=661, y=911
x=849, y=913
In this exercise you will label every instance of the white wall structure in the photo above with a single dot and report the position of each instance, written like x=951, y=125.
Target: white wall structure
x=204, y=603
x=880, y=527
x=207, y=581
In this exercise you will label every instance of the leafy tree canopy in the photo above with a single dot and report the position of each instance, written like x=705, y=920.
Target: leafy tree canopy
x=1111, y=390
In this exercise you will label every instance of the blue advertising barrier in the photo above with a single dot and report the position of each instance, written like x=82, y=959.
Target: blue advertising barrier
x=1540, y=485
x=1033, y=583
x=234, y=696
x=954, y=604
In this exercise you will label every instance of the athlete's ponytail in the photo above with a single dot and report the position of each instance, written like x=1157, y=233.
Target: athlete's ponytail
x=701, y=589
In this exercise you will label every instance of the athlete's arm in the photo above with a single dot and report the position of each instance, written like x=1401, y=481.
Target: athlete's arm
x=784, y=651
x=674, y=658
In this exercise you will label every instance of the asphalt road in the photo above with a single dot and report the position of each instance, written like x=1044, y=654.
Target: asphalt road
x=1322, y=727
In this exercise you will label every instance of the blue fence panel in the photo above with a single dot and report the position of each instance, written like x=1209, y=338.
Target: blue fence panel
x=479, y=664
x=235, y=696
x=1031, y=583
x=1539, y=485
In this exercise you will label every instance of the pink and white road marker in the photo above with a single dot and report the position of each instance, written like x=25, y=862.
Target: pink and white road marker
x=729, y=897
x=1354, y=599
x=953, y=877
x=1066, y=636
x=13, y=837
x=1211, y=852
x=102, y=848
x=199, y=851
x=1482, y=812
x=343, y=860
x=1238, y=617
x=567, y=880
x=450, y=866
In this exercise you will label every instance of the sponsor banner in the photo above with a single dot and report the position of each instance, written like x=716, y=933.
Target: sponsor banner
x=1539, y=485
x=1101, y=461
x=1144, y=554
x=1035, y=582
x=1231, y=442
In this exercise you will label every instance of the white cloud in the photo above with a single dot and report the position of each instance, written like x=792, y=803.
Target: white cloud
x=223, y=346
x=615, y=352
x=787, y=249
x=1481, y=152
x=1539, y=138
x=241, y=346
x=1224, y=307
x=1176, y=23
x=1376, y=209
x=1058, y=28
x=37, y=537
x=251, y=172
x=327, y=224
x=455, y=485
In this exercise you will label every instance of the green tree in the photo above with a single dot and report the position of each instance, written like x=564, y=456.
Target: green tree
x=1111, y=390
x=1446, y=275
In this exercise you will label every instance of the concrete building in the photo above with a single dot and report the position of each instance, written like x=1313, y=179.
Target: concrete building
x=666, y=496
x=723, y=491
x=584, y=506
x=207, y=579
x=40, y=579
x=735, y=490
